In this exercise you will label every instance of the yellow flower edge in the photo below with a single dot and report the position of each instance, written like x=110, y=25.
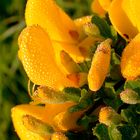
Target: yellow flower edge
x=119, y=20
x=36, y=53
x=134, y=7
x=21, y=130
x=127, y=8
x=130, y=60
x=50, y=17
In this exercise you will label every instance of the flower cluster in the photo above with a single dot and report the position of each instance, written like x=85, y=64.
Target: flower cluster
x=69, y=61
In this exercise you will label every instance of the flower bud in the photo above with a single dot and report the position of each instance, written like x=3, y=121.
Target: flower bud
x=45, y=94
x=130, y=96
x=36, y=125
x=109, y=116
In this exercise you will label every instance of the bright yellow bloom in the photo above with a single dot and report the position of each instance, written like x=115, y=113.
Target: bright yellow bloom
x=37, y=56
x=50, y=48
x=50, y=33
x=130, y=61
x=44, y=114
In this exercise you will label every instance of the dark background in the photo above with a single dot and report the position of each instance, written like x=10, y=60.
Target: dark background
x=13, y=80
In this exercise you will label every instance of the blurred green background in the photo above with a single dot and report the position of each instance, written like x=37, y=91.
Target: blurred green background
x=13, y=80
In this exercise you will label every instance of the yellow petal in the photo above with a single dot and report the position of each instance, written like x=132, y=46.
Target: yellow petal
x=105, y=4
x=45, y=114
x=86, y=44
x=37, y=56
x=79, y=22
x=97, y=8
x=127, y=7
x=135, y=9
x=130, y=61
x=65, y=121
x=68, y=64
x=120, y=21
x=71, y=49
x=79, y=79
x=53, y=19
x=22, y=131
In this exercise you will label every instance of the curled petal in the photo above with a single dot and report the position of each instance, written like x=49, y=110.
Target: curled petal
x=37, y=56
x=53, y=19
x=120, y=20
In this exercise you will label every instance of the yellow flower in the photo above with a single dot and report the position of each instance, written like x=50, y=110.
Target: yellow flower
x=29, y=120
x=37, y=56
x=41, y=122
x=51, y=36
x=49, y=48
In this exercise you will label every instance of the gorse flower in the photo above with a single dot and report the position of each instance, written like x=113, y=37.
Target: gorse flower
x=49, y=31
x=70, y=62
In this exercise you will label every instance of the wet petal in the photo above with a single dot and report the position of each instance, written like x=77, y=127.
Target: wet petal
x=130, y=61
x=53, y=19
x=120, y=20
x=37, y=56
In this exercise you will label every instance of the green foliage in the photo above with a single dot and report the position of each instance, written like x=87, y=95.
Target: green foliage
x=13, y=81
x=134, y=85
x=101, y=132
x=85, y=101
x=72, y=94
x=103, y=26
x=114, y=134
